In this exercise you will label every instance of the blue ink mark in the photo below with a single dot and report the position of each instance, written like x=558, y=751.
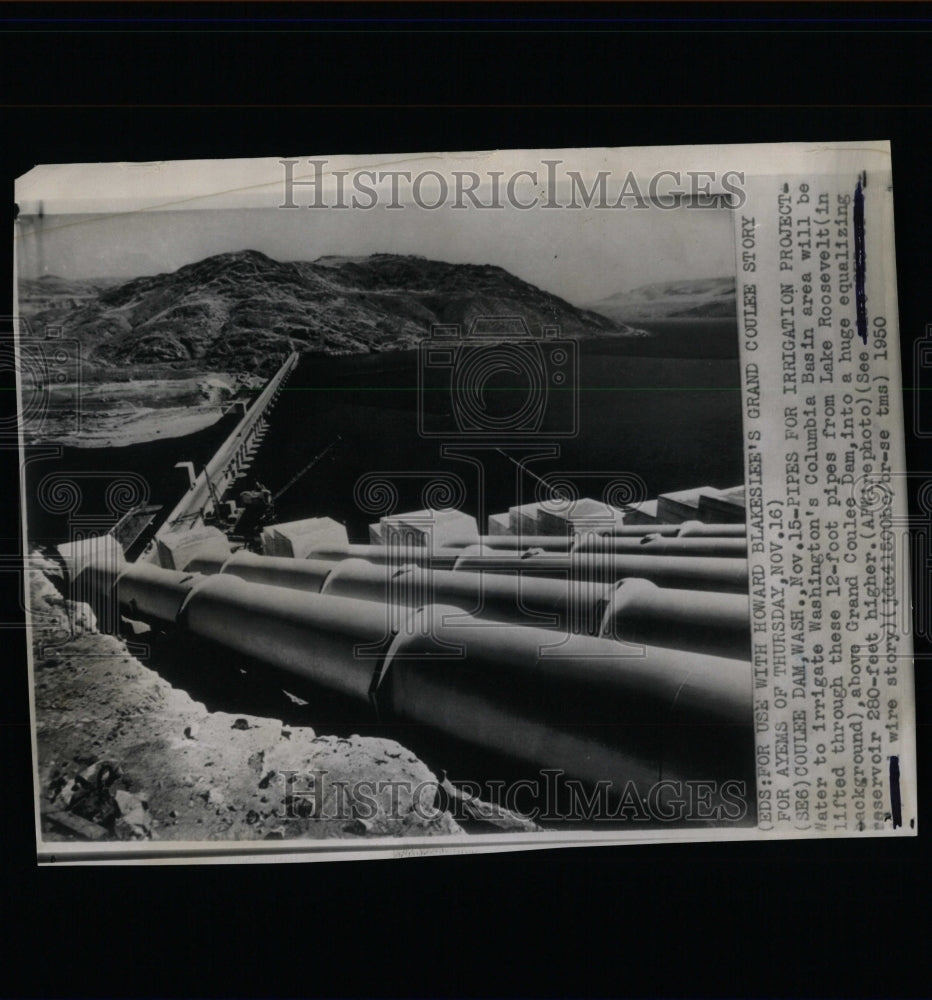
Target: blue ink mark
x=896, y=807
x=860, y=263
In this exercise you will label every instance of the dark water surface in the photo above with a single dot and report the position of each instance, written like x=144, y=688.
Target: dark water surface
x=674, y=422
x=146, y=472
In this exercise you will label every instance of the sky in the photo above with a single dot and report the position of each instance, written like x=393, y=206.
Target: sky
x=581, y=255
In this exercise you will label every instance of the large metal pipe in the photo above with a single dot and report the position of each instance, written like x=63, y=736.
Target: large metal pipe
x=208, y=564
x=277, y=571
x=556, y=543
x=685, y=572
x=636, y=610
x=577, y=704
x=368, y=581
x=337, y=642
x=445, y=558
x=153, y=593
x=648, y=541
x=688, y=529
x=662, y=542
x=714, y=623
x=556, y=603
x=659, y=545
x=698, y=529
x=593, y=707
x=394, y=555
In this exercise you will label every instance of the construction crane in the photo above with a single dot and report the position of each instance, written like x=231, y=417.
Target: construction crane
x=257, y=506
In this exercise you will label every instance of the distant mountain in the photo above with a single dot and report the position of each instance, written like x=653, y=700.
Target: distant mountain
x=51, y=292
x=702, y=298
x=53, y=284
x=245, y=311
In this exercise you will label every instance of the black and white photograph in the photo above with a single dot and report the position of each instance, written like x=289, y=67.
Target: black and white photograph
x=467, y=505
x=410, y=504
x=475, y=501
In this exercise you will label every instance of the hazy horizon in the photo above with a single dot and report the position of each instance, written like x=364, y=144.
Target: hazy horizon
x=580, y=255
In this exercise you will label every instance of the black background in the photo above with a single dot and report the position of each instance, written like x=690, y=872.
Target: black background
x=821, y=918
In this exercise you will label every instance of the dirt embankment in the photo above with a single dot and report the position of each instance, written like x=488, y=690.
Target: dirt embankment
x=123, y=755
x=110, y=414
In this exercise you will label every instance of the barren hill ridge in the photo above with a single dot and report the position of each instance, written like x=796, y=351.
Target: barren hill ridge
x=246, y=311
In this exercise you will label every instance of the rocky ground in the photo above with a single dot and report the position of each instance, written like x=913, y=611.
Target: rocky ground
x=122, y=755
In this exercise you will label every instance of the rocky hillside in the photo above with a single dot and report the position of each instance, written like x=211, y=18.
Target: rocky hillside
x=245, y=311
x=708, y=298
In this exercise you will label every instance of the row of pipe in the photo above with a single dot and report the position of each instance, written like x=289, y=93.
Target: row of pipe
x=734, y=548
x=593, y=707
x=698, y=572
x=689, y=572
x=653, y=544
x=688, y=529
x=631, y=609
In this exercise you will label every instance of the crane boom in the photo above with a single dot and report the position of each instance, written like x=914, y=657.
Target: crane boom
x=307, y=468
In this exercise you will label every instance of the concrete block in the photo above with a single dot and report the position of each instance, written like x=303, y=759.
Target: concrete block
x=499, y=524
x=438, y=528
x=726, y=508
x=672, y=508
x=297, y=539
x=551, y=517
x=523, y=519
x=579, y=516
x=642, y=513
x=177, y=548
